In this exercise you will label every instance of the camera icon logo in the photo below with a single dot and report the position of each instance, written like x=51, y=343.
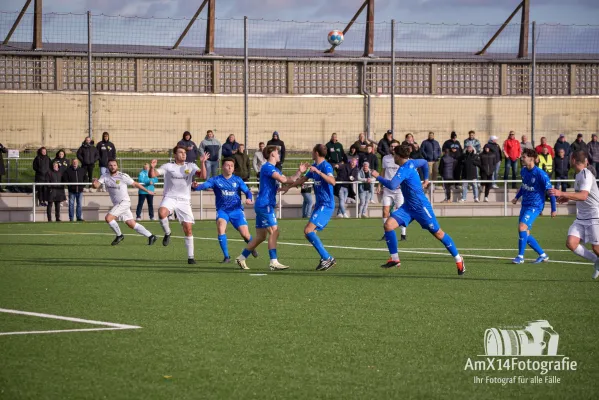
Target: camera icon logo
x=536, y=339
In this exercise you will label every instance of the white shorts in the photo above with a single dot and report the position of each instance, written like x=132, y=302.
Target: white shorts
x=122, y=211
x=586, y=233
x=390, y=198
x=181, y=207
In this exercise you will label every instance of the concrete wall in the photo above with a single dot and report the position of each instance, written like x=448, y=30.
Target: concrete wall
x=156, y=121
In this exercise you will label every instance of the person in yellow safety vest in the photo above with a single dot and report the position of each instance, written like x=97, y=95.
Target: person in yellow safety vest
x=546, y=161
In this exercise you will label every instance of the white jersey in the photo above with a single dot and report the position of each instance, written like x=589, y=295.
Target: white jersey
x=178, y=179
x=390, y=169
x=587, y=212
x=117, y=186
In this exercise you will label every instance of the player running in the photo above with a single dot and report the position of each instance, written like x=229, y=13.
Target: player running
x=416, y=206
x=178, y=177
x=324, y=182
x=116, y=183
x=535, y=183
x=586, y=226
x=266, y=220
x=227, y=188
x=391, y=198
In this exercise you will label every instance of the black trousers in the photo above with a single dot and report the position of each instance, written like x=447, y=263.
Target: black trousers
x=488, y=185
x=56, y=210
x=90, y=172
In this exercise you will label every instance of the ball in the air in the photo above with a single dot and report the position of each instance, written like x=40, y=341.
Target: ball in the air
x=335, y=38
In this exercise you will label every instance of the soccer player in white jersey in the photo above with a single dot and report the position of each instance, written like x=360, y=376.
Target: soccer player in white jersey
x=391, y=197
x=178, y=177
x=116, y=183
x=586, y=226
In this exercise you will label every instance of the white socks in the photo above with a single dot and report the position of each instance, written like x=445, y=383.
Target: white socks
x=115, y=227
x=165, y=227
x=395, y=257
x=188, y=245
x=403, y=230
x=585, y=253
x=139, y=228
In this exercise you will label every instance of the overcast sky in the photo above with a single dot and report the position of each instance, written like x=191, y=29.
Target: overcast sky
x=449, y=11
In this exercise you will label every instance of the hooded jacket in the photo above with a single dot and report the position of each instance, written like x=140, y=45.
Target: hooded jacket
x=63, y=163
x=192, y=155
x=41, y=166
x=72, y=175
x=576, y=146
x=384, y=147
x=106, y=150
x=335, y=153
x=279, y=143
x=55, y=193
x=447, y=167
x=431, y=150
x=211, y=146
x=559, y=145
x=487, y=162
x=468, y=164
x=243, y=165
x=495, y=149
x=229, y=147
x=87, y=154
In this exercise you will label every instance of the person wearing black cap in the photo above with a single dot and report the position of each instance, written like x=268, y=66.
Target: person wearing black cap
x=561, y=144
x=579, y=145
x=453, y=142
x=276, y=141
x=593, y=151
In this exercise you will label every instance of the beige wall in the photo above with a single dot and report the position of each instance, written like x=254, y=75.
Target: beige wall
x=143, y=121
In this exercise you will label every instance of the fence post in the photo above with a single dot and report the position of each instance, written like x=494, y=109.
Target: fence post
x=280, y=205
x=33, y=197
x=357, y=200
x=533, y=85
x=393, y=75
x=431, y=191
x=505, y=199
x=89, y=73
x=246, y=81
x=201, y=205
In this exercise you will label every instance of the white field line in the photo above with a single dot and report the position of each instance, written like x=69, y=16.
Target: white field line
x=412, y=251
x=61, y=331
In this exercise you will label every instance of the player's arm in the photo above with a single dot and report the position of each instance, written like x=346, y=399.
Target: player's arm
x=299, y=182
x=249, y=197
x=201, y=173
x=139, y=186
x=575, y=196
x=518, y=195
x=327, y=177
x=154, y=172
x=423, y=165
x=206, y=185
x=96, y=183
x=284, y=179
x=392, y=184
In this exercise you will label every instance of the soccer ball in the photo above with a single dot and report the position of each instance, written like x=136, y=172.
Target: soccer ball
x=335, y=38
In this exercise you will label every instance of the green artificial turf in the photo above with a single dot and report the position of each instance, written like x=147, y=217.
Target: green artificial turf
x=355, y=331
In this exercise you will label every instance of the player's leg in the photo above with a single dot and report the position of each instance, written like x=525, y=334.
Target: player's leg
x=386, y=210
x=398, y=202
x=244, y=231
x=221, y=230
x=596, y=251
x=399, y=218
x=318, y=221
x=586, y=234
x=275, y=265
x=189, y=245
x=166, y=207
x=523, y=231
x=111, y=220
x=139, y=228
x=451, y=248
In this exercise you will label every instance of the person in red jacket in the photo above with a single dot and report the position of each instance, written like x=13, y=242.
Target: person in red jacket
x=511, y=150
x=539, y=148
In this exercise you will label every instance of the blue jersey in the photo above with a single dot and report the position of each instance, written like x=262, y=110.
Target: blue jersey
x=408, y=180
x=227, y=191
x=267, y=195
x=535, y=182
x=322, y=190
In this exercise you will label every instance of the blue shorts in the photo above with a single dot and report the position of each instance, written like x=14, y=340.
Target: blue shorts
x=321, y=217
x=235, y=217
x=265, y=217
x=528, y=215
x=426, y=218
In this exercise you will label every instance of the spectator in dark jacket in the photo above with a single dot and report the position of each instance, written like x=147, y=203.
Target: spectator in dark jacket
x=74, y=174
x=469, y=161
x=361, y=146
x=371, y=158
x=243, y=165
x=106, y=151
x=347, y=172
x=495, y=149
x=2, y=170
x=561, y=167
x=384, y=146
x=416, y=154
x=353, y=153
x=211, y=146
x=230, y=147
x=453, y=142
x=190, y=147
x=431, y=151
x=335, y=154
x=87, y=156
x=62, y=161
x=447, y=168
x=276, y=141
x=488, y=161
x=55, y=193
x=41, y=166
x=579, y=145
x=561, y=144
x=593, y=151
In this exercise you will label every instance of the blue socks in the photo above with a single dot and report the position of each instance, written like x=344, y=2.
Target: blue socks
x=317, y=243
x=532, y=242
x=222, y=240
x=391, y=239
x=522, y=238
x=449, y=245
x=249, y=240
x=272, y=253
x=246, y=253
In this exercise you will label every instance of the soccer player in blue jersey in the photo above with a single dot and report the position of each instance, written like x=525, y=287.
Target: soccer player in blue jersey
x=535, y=184
x=415, y=207
x=227, y=188
x=324, y=182
x=266, y=220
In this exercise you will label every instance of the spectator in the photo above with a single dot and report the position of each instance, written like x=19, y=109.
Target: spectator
x=539, y=148
x=148, y=183
x=495, y=149
x=106, y=151
x=512, y=152
x=353, y=153
x=347, y=172
x=62, y=161
x=259, y=159
x=469, y=161
x=593, y=151
x=579, y=145
x=488, y=161
x=243, y=166
x=472, y=141
x=561, y=167
x=447, y=167
x=41, y=166
x=2, y=170
x=55, y=193
x=431, y=152
x=361, y=146
x=87, y=156
x=561, y=144
x=74, y=174
x=276, y=141
x=308, y=203
x=212, y=146
x=371, y=158
x=409, y=139
x=546, y=161
x=525, y=143
x=384, y=146
x=335, y=153
x=416, y=154
x=453, y=142
x=190, y=147
x=230, y=147
x=365, y=189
